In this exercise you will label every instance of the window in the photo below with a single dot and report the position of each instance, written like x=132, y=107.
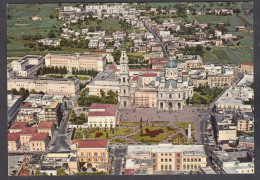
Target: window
x=195, y=160
x=184, y=159
x=166, y=160
x=161, y=160
x=195, y=166
x=124, y=91
x=170, y=167
x=191, y=159
x=166, y=167
x=125, y=103
x=161, y=154
x=162, y=167
x=199, y=160
x=184, y=166
x=188, y=159
x=170, y=160
x=166, y=154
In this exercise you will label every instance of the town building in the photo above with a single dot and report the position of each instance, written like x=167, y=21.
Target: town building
x=53, y=112
x=92, y=152
x=46, y=127
x=95, y=62
x=232, y=161
x=246, y=68
x=139, y=167
x=14, y=103
x=13, y=142
x=102, y=115
x=39, y=142
x=17, y=127
x=54, y=86
x=27, y=65
x=26, y=134
x=168, y=157
x=246, y=141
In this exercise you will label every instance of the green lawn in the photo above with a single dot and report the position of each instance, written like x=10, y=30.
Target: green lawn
x=184, y=125
x=113, y=24
x=120, y=140
x=129, y=124
x=92, y=133
x=158, y=138
x=181, y=139
x=159, y=122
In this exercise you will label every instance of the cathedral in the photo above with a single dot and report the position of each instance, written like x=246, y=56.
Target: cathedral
x=168, y=90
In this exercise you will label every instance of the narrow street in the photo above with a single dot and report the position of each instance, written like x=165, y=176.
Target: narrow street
x=165, y=53
x=61, y=141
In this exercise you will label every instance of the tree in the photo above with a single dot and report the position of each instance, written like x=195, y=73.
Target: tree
x=73, y=116
x=102, y=93
x=82, y=116
x=91, y=29
x=37, y=173
x=51, y=34
x=33, y=91
x=61, y=172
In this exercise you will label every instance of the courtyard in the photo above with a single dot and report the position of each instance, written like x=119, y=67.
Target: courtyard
x=156, y=127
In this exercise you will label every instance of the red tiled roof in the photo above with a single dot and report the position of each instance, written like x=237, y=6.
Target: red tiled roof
x=159, y=59
x=27, y=104
x=158, y=63
x=150, y=75
x=142, y=70
x=112, y=66
x=29, y=130
x=19, y=125
x=108, y=109
x=91, y=143
x=129, y=172
x=13, y=136
x=145, y=69
x=39, y=136
x=45, y=125
x=135, y=78
x=185, y=73
x=246, y=63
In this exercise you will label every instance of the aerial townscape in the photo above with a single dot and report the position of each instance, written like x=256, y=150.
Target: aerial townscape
x=130, y=88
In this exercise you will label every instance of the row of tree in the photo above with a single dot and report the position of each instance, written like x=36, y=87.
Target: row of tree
x=24, y=92
x=110, y=98
x=78, y=120
x=54, y=70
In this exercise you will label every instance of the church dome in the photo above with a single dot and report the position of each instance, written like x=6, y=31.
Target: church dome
x=190, y=83
x=171, y=64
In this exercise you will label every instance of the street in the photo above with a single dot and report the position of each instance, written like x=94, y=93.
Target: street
x=60, y=143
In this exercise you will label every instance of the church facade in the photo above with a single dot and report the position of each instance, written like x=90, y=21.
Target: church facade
x=168, y=91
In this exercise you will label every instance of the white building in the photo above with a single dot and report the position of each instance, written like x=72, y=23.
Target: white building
x=102, y=115
x=28, y=65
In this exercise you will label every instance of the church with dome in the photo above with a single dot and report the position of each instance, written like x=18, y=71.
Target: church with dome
x=167, y=90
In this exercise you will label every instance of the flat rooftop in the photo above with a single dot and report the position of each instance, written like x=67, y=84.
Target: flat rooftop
x=169, y=148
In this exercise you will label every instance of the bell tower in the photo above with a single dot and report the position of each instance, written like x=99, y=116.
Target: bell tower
x=124, y=94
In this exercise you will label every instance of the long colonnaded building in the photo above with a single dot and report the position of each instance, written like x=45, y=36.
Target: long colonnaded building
x=57, y=86
x=96, y=62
